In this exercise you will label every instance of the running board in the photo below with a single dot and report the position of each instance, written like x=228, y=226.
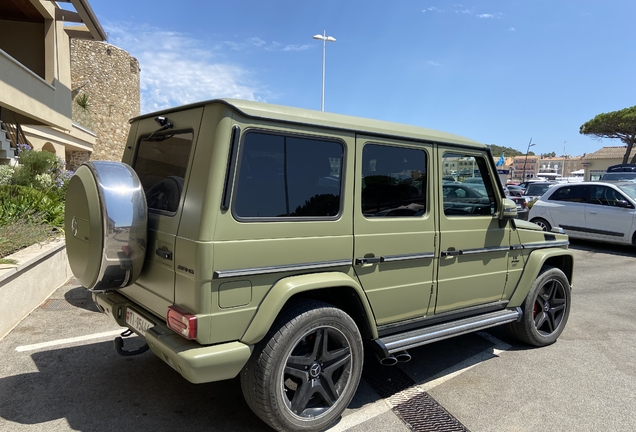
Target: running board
x=414, y=338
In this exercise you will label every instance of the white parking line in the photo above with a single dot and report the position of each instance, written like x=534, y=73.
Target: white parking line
x=363, y=415
x=69, y=340
x=383, y=405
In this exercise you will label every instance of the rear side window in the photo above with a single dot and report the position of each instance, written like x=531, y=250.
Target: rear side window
x=570, y=194
x=393, y=181
x=161, y=164
x=288, y=176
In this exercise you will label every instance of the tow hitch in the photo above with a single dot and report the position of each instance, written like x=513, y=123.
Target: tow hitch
x=119, y=345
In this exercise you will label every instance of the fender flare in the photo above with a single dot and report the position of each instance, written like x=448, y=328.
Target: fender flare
x=534, y=263
x=286, y=288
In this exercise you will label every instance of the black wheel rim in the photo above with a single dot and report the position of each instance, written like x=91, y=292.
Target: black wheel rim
x=550, y=307
x=316, y=372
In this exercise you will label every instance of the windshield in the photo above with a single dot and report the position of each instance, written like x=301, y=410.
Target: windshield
x=537, y=190
x=629, y=190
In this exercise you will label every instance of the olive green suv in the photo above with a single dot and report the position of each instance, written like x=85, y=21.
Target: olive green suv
x=280, y=244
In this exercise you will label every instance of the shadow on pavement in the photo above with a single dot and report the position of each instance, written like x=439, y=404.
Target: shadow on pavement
x=97, y=390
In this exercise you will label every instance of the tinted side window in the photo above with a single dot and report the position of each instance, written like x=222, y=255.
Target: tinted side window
x=393, y=181
x=161, y=164
x=570, y=193
x=472, y=194
x=286, y=176
x=603, y=195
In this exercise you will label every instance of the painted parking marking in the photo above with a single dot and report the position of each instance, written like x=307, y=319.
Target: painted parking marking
x=69, y=341
x=388, y=404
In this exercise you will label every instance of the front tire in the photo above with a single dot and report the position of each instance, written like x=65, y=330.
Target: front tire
x=545, y=310
x=305, y=372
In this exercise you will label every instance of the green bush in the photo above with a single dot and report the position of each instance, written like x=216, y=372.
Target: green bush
x=6, y=174
x=34, y=164
x=32, y=199
x=24, y=203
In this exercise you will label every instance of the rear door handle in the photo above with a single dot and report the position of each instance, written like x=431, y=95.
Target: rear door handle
x=167, y=255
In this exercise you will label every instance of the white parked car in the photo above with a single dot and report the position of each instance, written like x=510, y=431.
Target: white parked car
x=599, y=211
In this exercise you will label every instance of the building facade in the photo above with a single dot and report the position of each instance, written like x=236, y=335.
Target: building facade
x=106, y=79
x=35, y=78
x=62, y=88
x=595, y=164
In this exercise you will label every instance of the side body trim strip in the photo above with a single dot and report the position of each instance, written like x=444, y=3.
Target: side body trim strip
x=223, y=274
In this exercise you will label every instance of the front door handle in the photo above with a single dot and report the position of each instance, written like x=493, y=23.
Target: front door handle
x=373, y=260
x=452, y=252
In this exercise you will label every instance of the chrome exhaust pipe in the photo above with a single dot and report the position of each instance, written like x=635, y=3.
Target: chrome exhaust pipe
x=388, y=361
x=402, y=356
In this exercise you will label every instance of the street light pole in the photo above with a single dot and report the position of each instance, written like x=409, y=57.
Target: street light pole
x=324, y=38
x=523, y=177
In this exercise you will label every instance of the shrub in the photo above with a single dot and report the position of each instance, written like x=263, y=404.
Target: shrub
x=36, y=163
x=31, y=199
x=6, y=174
x=20, y=203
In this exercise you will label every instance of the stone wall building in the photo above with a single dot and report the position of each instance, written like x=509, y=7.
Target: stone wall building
x=105, y=90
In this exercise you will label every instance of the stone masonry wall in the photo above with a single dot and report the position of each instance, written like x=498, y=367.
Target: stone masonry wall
x=109, y=76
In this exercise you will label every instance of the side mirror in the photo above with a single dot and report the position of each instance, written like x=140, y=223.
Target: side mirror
x=508, y=211
x=623, y=204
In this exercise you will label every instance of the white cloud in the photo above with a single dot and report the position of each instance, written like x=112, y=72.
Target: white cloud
x=296, y=47
x=512, y=29
x=178, y=69
x=432, y=63
x=462, y=9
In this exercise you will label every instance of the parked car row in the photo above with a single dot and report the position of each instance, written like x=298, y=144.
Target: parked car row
x=531, y=193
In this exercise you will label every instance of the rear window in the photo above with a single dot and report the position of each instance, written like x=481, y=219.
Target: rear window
x=618, y=176
x=288, y=176
x=161, y=164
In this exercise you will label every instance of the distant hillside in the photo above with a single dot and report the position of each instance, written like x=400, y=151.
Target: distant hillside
x=507, y=151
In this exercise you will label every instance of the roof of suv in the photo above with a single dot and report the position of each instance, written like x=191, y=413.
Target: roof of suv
x=262, y=110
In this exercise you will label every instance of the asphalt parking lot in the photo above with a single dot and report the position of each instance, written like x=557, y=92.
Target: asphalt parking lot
x=59, y=372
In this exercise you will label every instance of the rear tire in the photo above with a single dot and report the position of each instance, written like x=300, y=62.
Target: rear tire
x=544, y=224
x=545, y=309
x=305, y=372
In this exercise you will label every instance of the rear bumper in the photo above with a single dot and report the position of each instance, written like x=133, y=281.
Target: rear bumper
x=196, y=363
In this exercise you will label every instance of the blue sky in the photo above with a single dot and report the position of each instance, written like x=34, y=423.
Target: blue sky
x=499, y=72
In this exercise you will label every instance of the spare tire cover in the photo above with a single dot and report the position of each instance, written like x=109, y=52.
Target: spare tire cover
x=106, y=223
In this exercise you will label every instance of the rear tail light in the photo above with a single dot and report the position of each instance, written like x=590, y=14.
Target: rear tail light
x=182, y=322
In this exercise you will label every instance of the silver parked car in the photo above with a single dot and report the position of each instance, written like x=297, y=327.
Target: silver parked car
x=599, y=211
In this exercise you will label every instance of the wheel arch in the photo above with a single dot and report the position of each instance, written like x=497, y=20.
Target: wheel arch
x=335, y=288
x=562, y=259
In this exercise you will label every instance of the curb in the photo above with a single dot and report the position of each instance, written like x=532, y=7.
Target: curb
x=41, y=270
